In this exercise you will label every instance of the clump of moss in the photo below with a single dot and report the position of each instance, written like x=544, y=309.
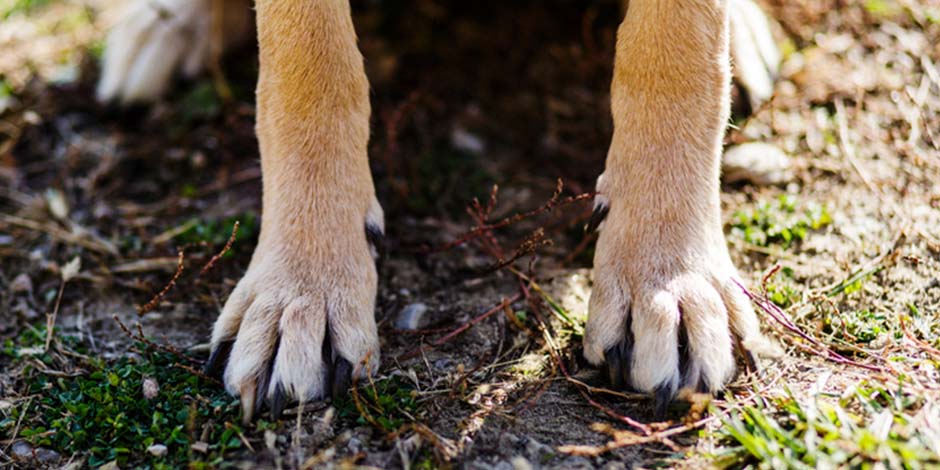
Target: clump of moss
x=105, y=414
x=779, y=222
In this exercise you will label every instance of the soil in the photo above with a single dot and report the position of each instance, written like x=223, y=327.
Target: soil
x=466, y=96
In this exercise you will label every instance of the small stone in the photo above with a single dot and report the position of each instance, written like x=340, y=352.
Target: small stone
x=47, y=456
x=200, y=447
x=21, y=284
x=756, y=162
x=270, y=440
x=462, y=139
x=71, y=269
x=22, y=451
x=354, y=445
x=150, y=388
x=157, y=450
x=32, y=117
x=112, y=465
x=57, y=204
x=535, y=449
x=412, y=317
x=520, y=463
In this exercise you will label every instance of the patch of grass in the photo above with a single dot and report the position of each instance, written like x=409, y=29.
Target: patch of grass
x=883, y=9
x=859, y=326
x=782, y=289
x=9, y=8
x=105, y=414
x=201, y=103
x=387, y=404
x=854, y=282
x=870, y=426
x=218, y=231
x=779, y=222
x=6, y=91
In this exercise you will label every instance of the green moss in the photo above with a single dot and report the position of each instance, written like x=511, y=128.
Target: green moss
x=102, y=414
x=387, y=404
x=10, y=7
x=218, y=231
x=779, y=222
x=782, y=289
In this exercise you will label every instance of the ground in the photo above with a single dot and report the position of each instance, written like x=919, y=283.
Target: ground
x=112, y=217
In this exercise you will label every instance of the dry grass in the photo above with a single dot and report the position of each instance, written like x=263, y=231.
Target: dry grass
x=845, y=260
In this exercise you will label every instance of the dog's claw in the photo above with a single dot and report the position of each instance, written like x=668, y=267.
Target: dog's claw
x=278, y=401
x=341, y=378
x=376, y=239
x=613, y=366
x=597, y=217
x=662, y=396
x=215, y=366
x=247, y=394
x=619, y=359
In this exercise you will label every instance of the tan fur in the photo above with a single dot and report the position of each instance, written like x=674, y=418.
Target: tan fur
x=661, y=255
x=312, y=269
x=662, y=250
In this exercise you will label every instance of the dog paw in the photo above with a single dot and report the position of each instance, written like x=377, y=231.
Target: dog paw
x=158, y=38
x=753, y=50
x=300, y=323
x=666, y=311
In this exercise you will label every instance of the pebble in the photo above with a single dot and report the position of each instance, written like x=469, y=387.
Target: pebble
x=270, y=440
x=535, y=450
x=462, y=139
x=24, y=452
x=157, y=450
x=150, y=388
x=757, y=163
x=520, y=463
x=412, y=317
x=354, y=445
x=21, y=284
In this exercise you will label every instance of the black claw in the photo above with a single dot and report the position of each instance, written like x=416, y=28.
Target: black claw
x=750, y=362
x=701, y=387
x=613, y=367
x=663, y=396
x=341, y=378
x=376, y=238
x=683, y=342
x=218, y=359
x=278, y=401
x=619, y=358
x=598, y=216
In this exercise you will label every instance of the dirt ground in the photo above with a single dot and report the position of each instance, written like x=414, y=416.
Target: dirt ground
x=466, y=96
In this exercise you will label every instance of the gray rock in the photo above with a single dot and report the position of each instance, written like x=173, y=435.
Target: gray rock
x=520, y=463
x=47, y=456
x=354, y=445
x=21, y=284
x=157, y=450
x=22, y=451
x=412, y=317
x=535, y=450
x=756, y=162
